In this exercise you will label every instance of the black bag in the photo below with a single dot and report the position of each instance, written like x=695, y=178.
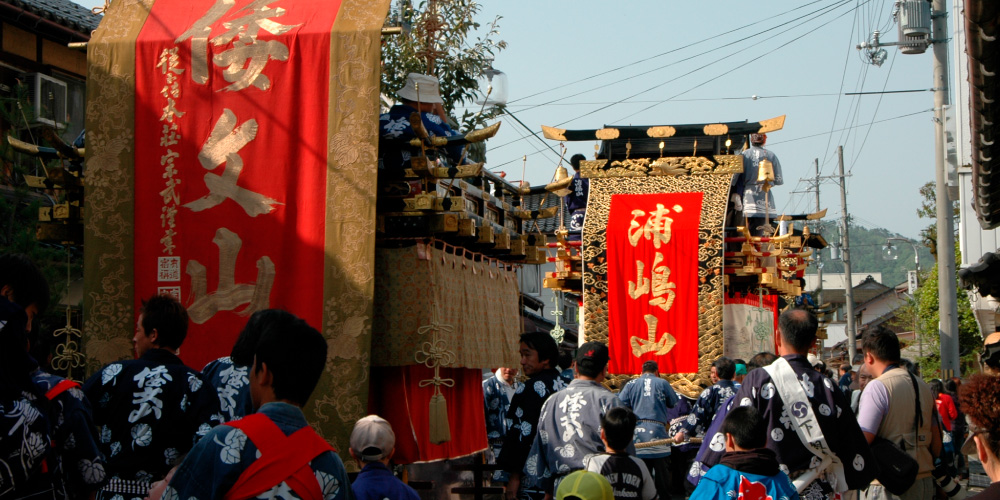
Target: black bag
x=897, y=470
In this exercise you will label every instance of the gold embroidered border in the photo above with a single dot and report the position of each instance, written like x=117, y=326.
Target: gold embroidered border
x=710, y=240
x=109, y=188
x=666, y=166
x=341, y=397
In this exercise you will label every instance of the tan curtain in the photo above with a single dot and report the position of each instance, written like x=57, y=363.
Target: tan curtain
x=420, y=286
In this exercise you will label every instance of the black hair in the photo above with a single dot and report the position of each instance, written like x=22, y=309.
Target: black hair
x=739, y=361
x=882, y=344
x=575, y=160
x=295, y=354
x=650, y=367
x=619, y=427
x=27, y=283
x=746, y=427
x=937, y=387
x=565, y=359
x=798, y=328
x=910, y=366
x=725, y=368
x=544, y=344
x=168, y=317
x=820, y=366
x=246, y=344
x=951, y=387
x=845, y=368
x=761, y=360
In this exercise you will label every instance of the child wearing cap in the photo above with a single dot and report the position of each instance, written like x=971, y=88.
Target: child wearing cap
x=372, y=445
x=628, y=475
x=748, y=469
x=584, y=485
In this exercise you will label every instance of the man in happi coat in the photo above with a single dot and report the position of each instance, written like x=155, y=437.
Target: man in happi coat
x=77, y=466
x=422, y=94
x=273, y=453
x=715, y=438
x=230, y=375
x=151, y=410
x=708, y=403
x=838, y=458
x=497, y=393
x=569, y=427
x=650, y=398
x=539, y=355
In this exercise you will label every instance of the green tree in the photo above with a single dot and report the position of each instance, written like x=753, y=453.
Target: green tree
x=928, y=210
x=447, y=41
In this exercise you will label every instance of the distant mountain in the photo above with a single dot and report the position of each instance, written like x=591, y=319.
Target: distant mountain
x=867, y=253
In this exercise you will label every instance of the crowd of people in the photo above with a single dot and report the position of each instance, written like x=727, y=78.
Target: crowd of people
x=781, y=426
x=775, y=427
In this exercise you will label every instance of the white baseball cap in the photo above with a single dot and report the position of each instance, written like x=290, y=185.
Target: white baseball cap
x=372, y=439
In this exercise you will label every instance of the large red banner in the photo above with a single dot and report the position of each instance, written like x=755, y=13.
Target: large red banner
x=652, y=251
x=231, y=161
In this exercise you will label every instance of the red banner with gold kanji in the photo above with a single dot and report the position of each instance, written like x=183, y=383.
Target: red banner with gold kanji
x=652, y=252
x=231, y=161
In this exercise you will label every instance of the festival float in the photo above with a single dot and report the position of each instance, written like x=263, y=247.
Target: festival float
x=232, y=160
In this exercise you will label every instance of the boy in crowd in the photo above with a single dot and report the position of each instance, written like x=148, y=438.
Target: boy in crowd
x=372, y=446
x=274, y=452
x=629, y=478
x=748, y=469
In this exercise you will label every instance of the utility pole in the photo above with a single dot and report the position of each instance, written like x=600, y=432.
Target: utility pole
x=845, y=254
x=947, y=307
x=819, y=254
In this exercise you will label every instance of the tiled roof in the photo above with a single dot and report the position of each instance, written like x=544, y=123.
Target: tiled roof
x=982, y=18
x=73, y=16
x=536, y=201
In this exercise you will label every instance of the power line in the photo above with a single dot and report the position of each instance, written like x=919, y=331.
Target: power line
x=828, y=10
x=838, y=130
x=734, y=30
x=836, y=110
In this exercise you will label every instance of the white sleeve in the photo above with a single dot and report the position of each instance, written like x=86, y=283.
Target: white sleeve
x=648, y=488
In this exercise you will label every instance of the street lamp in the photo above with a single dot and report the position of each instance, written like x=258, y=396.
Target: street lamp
x=890, y=252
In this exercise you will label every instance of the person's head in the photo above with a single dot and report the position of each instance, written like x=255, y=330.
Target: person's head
x=163, y=324
x=741, y=369
x=565, y=359
x=990, y=357
x=651, y=367
x=820, y=366
x=845, y=369
x=618, y=428
x=864, y=376
x=592, y=361
x=881, y=348
x=951, y=386
x=372, y=440
x=722, y=369
x=246, y=344
x=23, y=283
x=758, y=139
x=575, y=161
x=910, y=366
x=422, y=92
x=761, y=360
x=744, y=429
x=980, y=401
x=584, y=485
x=507, y=374
x=288, y=360
x=937, y=387
x=796, y=331
x=539, y=352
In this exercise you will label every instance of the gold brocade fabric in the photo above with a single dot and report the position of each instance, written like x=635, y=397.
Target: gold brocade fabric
x=414, y=288
x=108, y=215
x=341, y=396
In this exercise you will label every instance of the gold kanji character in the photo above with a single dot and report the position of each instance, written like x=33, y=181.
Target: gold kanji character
x=663, y=289
x=223, y=146
x=649, y=344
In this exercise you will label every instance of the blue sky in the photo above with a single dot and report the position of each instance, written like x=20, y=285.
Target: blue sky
x=669, y=62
